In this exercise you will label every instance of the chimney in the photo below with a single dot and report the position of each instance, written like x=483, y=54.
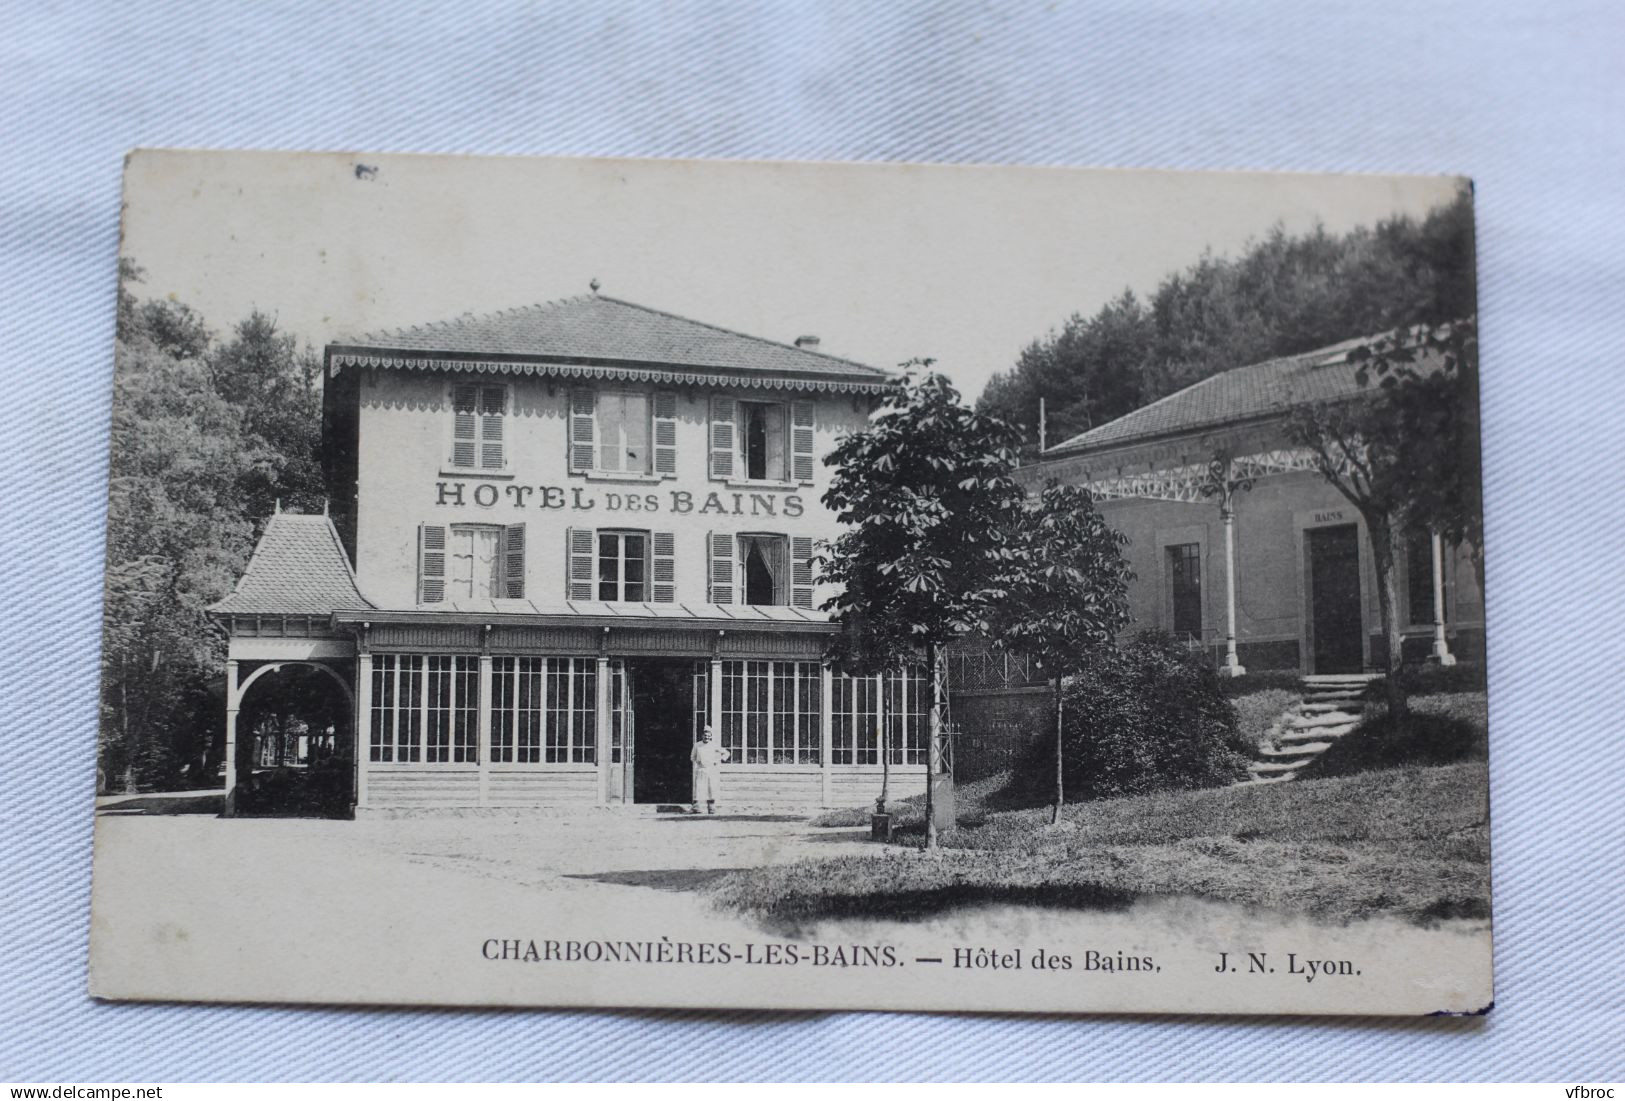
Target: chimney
x=807, y=343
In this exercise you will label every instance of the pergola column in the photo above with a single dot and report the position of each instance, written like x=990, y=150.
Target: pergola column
x=601, y=724
x=714, y=706
x=233, y=699
x=482, y=721
x=363, y=721
x=1441, y=654
x=826, y=725
x=1232, y=666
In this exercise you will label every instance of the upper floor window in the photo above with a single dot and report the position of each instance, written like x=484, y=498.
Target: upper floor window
x=476, y=429
x=470, y=562
x=759, y=569
x=620, y=566
x=623, y=565
x=761, y=441
x=764, y=562
x=623, y=432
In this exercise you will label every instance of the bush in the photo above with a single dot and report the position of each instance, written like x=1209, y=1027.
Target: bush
x=1148, y=716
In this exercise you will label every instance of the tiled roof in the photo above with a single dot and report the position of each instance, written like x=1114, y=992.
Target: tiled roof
x=1240, y=394
x=598, y=329
x=298, y=568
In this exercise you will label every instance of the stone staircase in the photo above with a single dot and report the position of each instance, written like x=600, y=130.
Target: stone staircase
x=1330, y=709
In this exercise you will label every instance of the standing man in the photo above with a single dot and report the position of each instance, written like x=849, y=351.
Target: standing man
x=707, y=758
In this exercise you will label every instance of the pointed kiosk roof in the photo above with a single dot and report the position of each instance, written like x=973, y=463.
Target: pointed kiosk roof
x=298, y=568
x=596, y=336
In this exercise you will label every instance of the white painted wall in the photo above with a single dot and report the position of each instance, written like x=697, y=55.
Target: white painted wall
x=404, y=453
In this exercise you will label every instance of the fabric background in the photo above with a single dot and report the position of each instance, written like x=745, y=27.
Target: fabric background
x=1528, y=98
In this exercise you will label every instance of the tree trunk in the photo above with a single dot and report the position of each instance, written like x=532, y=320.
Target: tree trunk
x=933, y=732
x=1386, y=540
x=1060, y=788
x=885, y=766
x=129, y=736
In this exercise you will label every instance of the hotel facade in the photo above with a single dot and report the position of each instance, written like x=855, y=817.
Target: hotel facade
x=562, y=539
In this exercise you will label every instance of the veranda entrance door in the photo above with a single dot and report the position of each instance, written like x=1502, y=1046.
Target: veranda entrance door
x=659, y=730
x=1335, y=623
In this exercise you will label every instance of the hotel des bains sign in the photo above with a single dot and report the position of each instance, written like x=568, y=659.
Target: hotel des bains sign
x=576, y=499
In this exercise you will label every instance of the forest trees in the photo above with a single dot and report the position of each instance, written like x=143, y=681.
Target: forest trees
x=1284, y=295
x=206, y=436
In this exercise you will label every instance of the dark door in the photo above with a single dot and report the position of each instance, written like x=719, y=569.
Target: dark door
x=1334, y=599
x=663, y=706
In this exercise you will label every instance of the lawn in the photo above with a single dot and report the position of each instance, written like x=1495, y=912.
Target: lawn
x=1410, y=842
x=1259, y=715
x=1444, y=728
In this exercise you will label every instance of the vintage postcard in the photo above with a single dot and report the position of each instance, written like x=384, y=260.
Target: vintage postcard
x=548, y=582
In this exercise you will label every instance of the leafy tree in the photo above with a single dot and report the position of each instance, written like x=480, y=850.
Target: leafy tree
x=1433, y=370
x=176, y=538
x=205, y=437
x=1405, y=453
x=173, y=326
x=277, y=385
x=928, y=504
x=1068, y=594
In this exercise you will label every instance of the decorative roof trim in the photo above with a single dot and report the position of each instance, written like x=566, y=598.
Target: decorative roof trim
x=346, y=616
x=707, y=377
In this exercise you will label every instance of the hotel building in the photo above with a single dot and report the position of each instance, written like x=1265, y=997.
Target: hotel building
x=561, y=540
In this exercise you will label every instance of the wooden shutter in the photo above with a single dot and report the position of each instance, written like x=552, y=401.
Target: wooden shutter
x=665, y=424
x=724, y=411
x=578, y=546
x=581, y=431
x=801, y=573
x=513, y=561
x=719, y=549
x=493, y=406
x=431, y=563
x=664, y=566
x=801, y=442
x=465, y=424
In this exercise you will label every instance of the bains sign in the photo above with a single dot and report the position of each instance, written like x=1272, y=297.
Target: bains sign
x=578, y=499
